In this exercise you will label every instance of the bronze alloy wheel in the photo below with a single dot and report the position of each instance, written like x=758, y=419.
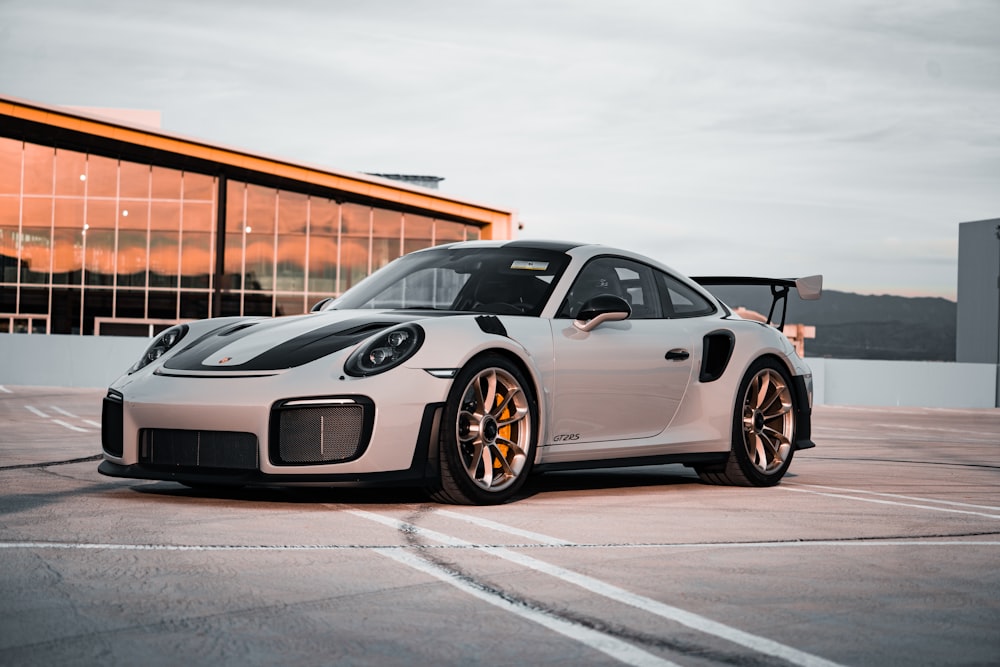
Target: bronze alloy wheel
x=763, y=429
x=768, y=421
x=488, y=434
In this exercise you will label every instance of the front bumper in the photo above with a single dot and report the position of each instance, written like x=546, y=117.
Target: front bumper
x=280, y=429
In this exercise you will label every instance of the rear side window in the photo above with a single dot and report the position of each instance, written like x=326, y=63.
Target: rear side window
x=679, y=300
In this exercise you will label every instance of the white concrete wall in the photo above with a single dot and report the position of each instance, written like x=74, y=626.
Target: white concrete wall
x=94, y=361
x=66, y=361
x=928, y=384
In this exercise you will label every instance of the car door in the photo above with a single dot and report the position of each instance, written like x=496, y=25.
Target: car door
x=621, y=380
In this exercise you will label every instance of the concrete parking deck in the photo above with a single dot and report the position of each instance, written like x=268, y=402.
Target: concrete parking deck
x=880, y=547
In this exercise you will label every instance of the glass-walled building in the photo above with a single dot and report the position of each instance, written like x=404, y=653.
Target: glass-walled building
x=116, y=229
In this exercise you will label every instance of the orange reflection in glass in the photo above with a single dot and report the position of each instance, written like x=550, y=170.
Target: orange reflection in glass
x=10, y=166
x=71, y=173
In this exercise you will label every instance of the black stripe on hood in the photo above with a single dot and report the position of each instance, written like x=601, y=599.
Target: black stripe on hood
x=293, y=352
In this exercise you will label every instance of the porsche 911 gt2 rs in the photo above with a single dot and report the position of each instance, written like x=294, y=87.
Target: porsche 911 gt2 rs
x=464, y=368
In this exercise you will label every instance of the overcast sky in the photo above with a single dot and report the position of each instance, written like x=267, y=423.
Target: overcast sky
x=764, y=137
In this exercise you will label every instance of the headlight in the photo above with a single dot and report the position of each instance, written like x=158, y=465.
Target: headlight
x=160, y=345
x=385, y=351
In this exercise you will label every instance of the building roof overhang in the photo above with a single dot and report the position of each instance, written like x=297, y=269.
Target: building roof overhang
x=83, y=131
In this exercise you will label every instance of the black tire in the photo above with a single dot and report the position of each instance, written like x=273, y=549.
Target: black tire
x=488, y=434
x=763, y=429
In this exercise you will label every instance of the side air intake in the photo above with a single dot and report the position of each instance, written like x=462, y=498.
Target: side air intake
x=718, y=350
x=321, y=430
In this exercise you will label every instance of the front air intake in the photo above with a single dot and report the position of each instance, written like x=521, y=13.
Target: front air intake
x=186, y=449
x=319, y=431
x=112, y=424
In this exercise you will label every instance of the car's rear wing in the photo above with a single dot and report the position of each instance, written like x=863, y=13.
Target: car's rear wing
x=809, y=288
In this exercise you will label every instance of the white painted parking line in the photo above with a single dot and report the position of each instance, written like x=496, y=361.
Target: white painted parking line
x=599, y=641
x=39, y=413
x=510, y=530
x=70, y=426
x=5, y=390
x=889, y=502
x=675, y=614
x=895, y=495
x=797, y=544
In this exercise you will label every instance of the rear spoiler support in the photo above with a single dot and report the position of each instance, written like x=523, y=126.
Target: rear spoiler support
x=809, y=288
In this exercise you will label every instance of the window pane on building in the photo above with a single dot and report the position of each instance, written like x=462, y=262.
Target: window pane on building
x=9, y=238
x=39, y=166
x=164, y=259
x=97, y=303
x=162, y=305
x=101, y=213
x=259, y=269
x=448, y=232
x=324, y=217
x=133, y=180
x=353, y=261
x=102, y=176
x=131, y=262
x=198, y=216
x=387, y=236
x=166, y=183
x=71, y=173
x=36, y=254
x=10, y=166
x=291, y=263
x=194, y=305
x=356, y=220
x=130, y=303
x=293, y=210
x=196, y=259
x=67, y=258
x=290, y=304
x=100, y=257
x=233, y=278
x=199, y=187
x=133, y=214
x=260, y=209
x=65, y=311
x=418, y=232
x=323, y=265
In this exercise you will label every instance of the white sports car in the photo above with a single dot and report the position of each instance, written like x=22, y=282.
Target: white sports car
x=463, y=369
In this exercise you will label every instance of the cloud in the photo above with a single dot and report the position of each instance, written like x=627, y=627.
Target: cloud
x=771, y=136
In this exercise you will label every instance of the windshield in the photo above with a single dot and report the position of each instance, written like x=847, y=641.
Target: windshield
x=506, y=280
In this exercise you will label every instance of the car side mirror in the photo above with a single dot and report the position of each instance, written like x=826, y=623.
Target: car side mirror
x=602, y=308
x=318, y=306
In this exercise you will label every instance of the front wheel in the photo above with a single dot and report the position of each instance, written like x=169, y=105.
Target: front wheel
x=488, y=434
x=763, y=429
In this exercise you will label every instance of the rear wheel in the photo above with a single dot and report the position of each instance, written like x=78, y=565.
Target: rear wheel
x=488, y=434
x=763, y=429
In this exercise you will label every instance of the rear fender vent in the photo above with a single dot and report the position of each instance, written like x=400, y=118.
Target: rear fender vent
x=317, y=431
x=718, y=350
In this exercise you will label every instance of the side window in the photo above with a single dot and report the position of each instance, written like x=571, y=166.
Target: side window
x=679, y=300
x=617, y=276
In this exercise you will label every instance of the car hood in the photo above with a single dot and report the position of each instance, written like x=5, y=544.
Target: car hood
x=285, y=342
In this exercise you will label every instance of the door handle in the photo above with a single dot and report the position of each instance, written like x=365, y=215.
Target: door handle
x=677, y=354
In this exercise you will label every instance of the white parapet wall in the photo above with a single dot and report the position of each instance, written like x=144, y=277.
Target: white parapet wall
x=66, y=361
x=927, y=384
x=95, y=361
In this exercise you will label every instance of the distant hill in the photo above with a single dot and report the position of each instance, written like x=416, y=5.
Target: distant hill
x=858, y=326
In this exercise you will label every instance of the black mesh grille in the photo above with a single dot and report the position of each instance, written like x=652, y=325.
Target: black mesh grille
x=112, y=418
x=198, y=449
x=321, y=434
